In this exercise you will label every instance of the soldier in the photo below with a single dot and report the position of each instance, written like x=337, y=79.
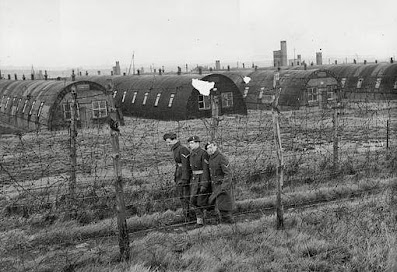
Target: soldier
x=200, y=188
x=221, y=181
x=182, y=172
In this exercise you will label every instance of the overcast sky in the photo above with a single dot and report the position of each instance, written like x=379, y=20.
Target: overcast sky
x=96, y=33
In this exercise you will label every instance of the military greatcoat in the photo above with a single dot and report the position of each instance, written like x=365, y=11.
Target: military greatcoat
x=221, y=179
x=200, y=188
x=182, y=169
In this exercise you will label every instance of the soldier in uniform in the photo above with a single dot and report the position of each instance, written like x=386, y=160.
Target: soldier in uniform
x=200, y=188
x=221, y=181
x=182, y=172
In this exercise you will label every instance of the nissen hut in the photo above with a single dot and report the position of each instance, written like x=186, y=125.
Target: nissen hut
x=299, y=88
x=171, y=97
x=42, y=104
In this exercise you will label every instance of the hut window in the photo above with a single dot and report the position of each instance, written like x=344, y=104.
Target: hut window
x=19, y=103
x=24, y=106
x=122, y=100
x=1, y=102
x=13, y=106
x=145, y=99
x=156, y=103
x=359, y=82
x=8, y=100
x=134, y=97
x=261, y=93
x=227, y=100
x=41, y=108
x=246, y=91
x=312, y=95
x=378, y=81
x=99, y=109
x=31, y=108
x=114, y=94
x=204, y=102
x=330, y=93
x=67, y=111
x=342, y=82
x=395, y=85
x=171, y=100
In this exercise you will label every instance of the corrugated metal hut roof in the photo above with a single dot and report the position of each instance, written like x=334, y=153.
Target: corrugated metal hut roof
x=33, y=101
x=163, y=97
x=292, y=82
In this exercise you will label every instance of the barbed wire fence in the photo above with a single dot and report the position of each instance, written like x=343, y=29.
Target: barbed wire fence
x=35, y=170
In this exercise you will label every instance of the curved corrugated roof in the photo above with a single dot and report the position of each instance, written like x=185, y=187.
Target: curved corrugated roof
x=34, y=100
x=292, y=82
x=131, y=91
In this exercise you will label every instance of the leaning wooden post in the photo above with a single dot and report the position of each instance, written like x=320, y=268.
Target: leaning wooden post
x=215, y=113
x=73, y=156
x=124, y=241
x=280, y=165
x=335, y=138
x=280, y=159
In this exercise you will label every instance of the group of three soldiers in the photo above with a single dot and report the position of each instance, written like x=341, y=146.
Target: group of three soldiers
x=203, y=179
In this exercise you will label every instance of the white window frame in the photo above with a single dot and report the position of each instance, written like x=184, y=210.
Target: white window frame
x=260, y=95
x=19, y=102
x=172, y=96
x=41, y=108
x=67, y=108
x=156, y=103
x=312, y=95
x=227, y=99
x=31, y=108
x=6, y=105
x=377, y=83
x=204, y=102
x=330, y=93
x=145, y=98
x=13, y=110
x=25, y=105
x=360, y=82
x=1, y=102
x=134, y=98
x=99, y=106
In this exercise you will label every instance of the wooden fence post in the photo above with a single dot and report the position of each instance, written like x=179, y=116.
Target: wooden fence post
x=335, y=121
x=124, y=241
x=73, y=156
x=215, y=113
x=280, y=162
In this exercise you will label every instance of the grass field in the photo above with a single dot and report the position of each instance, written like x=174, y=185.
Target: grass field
x=348, y=234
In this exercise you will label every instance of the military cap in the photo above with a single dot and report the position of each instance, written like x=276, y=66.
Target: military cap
x=194, y=139
x=169, y=135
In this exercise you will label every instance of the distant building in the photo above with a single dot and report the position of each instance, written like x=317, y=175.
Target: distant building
x=295, y=62
x=319, y=58
x=280, y=56
x=116, y=69
x=217, y=65
x=277, y=58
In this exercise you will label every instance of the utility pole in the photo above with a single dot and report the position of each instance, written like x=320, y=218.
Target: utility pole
x=73, y=156
x=124, y=241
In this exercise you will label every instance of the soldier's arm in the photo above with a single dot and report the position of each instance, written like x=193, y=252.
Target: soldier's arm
x=206, y=170
x=227, y=179
x=185, y=153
